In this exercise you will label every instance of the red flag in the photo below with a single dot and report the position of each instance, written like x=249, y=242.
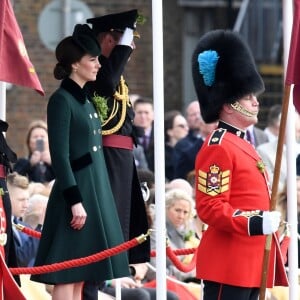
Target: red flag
x=9, y=288
x=293, y=72
x=15, y=66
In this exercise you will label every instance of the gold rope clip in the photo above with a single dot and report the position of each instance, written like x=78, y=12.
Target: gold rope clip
x=18, y=226
x=143, y=237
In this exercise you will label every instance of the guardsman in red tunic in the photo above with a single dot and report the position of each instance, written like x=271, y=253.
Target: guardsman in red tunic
x=232, y=189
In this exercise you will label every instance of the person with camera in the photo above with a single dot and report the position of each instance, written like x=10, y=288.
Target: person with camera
x=37, y=166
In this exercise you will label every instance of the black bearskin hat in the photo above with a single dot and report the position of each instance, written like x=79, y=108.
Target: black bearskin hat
x=223, y=72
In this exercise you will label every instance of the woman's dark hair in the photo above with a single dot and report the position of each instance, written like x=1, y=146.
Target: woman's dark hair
x=72, y=48
x=67, y=52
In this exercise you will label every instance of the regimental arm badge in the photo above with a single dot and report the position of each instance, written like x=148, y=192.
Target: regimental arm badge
x=213, y=182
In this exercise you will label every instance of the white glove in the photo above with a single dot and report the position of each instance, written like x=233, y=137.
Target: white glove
x=271, y=221
x=127, y=37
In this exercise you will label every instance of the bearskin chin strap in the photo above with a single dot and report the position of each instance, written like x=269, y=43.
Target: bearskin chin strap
x=238, y=107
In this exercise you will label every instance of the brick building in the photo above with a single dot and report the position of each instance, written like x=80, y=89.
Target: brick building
x=24, y=105
x=184, y=21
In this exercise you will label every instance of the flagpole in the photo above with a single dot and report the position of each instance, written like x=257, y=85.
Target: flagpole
x=159, y=150
x=274, y=194
x=292, y=204
x=268, y=243
x=2, y=100
x=291, y=159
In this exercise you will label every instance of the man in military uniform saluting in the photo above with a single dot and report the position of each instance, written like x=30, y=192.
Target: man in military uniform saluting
x=115, y=33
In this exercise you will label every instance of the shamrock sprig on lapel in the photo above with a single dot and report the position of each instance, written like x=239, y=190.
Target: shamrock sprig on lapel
x=261, y=166
x=101, y=106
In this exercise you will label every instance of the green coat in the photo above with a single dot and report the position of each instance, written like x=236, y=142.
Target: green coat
x=81, y=176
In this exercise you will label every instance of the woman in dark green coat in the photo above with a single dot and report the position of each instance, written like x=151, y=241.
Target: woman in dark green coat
x=81, y=217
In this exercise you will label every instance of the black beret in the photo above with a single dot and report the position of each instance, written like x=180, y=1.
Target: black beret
x=115, y=22
x=84, y=37
x=227, y=75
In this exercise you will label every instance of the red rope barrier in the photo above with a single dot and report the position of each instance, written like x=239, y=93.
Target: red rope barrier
x=29, y=231
x=172, y=254
x=178, y=264
x=81, y=261
x=185, y=251
x=97, y=257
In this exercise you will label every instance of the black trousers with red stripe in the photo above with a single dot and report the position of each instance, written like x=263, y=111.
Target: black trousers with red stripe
x=220, y=291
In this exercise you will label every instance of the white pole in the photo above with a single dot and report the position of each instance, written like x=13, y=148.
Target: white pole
x=292, y=202
x=118, y=289
x=159, y=150
x=2, y=100
x=291, y=161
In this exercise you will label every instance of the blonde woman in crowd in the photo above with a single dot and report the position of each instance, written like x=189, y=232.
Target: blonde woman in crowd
x=179, y=228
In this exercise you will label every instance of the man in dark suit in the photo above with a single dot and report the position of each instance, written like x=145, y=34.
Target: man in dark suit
x=26, y=246
x=256, y=136
x=185, y=151
x=144, y=117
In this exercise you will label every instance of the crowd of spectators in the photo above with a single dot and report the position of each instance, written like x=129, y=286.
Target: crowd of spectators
x=30, y=184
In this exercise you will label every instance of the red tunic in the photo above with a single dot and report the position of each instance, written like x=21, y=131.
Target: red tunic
x=231, y=188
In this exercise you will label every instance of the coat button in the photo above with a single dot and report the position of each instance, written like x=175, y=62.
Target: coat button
x=91, y=116
x=95, y=148
x=96, y=115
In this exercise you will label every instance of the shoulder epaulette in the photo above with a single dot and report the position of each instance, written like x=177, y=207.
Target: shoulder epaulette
x=217, y=136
